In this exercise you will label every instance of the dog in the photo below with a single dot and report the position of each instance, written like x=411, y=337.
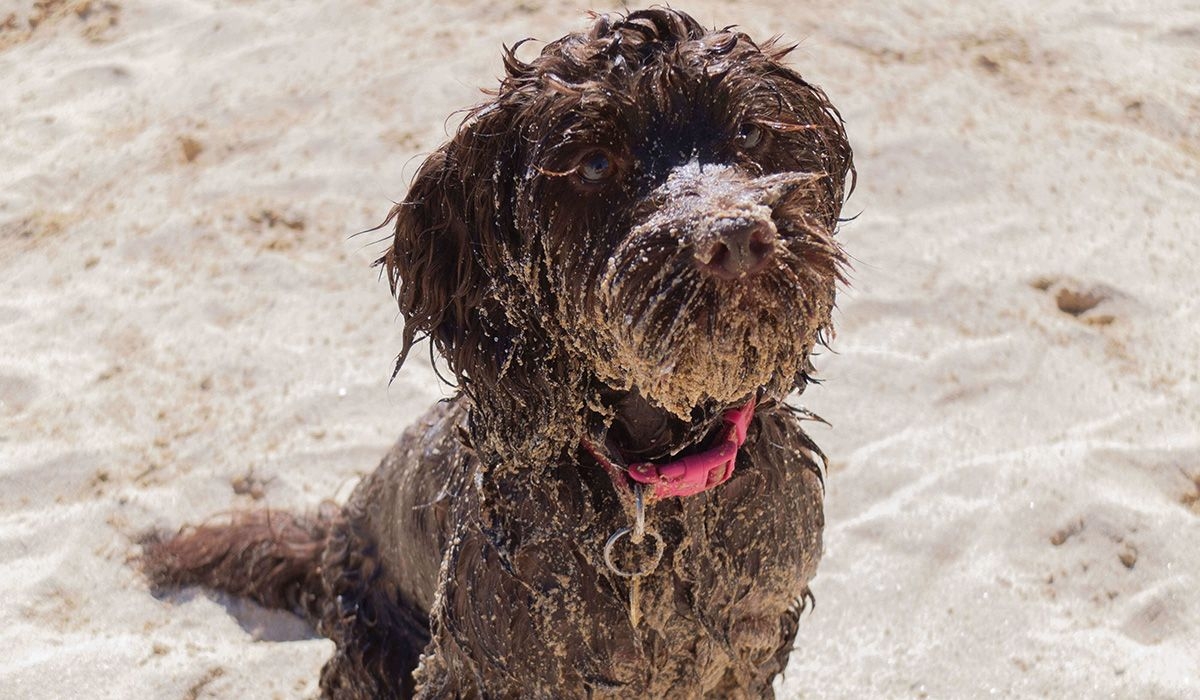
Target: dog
x=626, y=258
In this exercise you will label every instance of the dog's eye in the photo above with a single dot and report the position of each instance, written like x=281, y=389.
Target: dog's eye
x=749, y=136
x=595, y=167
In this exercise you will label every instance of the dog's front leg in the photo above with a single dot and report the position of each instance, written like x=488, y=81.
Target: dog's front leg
x=524, y=606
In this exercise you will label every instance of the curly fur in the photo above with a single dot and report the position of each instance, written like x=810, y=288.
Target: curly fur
x=559, y=253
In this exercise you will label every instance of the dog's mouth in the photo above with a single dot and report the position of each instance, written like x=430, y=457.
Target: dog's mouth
x=693, y=470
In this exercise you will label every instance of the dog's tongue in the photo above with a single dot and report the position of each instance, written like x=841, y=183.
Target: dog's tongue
x=697, y=473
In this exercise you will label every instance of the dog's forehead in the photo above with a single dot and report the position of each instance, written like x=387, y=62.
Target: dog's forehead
x=681, y=66
x=701, y=86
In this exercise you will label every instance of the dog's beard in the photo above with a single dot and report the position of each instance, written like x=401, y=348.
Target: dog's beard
x=684, y=338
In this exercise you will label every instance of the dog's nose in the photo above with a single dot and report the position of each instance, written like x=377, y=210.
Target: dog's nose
x=742, y=247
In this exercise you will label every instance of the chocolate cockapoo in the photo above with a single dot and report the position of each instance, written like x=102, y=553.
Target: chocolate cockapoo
x=625, y=257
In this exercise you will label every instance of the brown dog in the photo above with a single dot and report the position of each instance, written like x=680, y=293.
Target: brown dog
x=625, y=258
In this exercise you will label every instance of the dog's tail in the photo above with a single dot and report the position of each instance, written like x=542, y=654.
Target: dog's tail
x=270, y=557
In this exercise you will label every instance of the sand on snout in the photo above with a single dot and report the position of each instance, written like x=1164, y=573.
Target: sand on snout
x=187, y=327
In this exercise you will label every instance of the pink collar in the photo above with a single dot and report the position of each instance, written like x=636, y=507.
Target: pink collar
x=689, y=475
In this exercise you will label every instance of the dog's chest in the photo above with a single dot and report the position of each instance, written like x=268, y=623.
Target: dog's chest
x=715, y=614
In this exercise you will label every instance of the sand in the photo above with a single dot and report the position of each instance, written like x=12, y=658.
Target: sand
x=187, y=328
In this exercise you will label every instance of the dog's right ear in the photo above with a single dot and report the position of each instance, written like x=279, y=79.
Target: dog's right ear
x=434, y=265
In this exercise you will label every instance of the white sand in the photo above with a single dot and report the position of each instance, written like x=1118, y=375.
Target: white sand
x=1014, y=499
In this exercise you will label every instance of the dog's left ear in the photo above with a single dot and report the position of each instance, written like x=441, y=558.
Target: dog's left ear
x=450, y=269
x=443, y=228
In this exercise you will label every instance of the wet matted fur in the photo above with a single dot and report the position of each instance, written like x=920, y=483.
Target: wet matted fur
x=633, y=237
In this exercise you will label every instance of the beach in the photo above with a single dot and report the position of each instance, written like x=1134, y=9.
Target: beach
x=189, y=326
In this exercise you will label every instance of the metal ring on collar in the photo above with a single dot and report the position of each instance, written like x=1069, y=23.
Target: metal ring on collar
x=612, y=541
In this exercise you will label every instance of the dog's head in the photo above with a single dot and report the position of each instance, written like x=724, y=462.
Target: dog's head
x=648, y=205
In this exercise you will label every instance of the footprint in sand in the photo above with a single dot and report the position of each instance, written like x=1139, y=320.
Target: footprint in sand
x=1155, y=619
x=1095, y=304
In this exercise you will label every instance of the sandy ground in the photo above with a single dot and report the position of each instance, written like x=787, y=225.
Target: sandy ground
x=186, y=327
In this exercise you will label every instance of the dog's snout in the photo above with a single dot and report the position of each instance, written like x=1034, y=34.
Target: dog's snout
x=740, y=248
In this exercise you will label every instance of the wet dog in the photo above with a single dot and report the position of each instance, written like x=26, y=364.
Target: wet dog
x=625, y=257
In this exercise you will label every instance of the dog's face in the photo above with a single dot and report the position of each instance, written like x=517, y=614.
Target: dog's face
x=650, y=200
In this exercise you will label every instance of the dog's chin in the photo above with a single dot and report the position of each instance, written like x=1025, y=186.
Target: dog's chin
x=721, y=356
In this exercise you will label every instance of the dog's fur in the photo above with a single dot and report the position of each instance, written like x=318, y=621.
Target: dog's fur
x=568, y=253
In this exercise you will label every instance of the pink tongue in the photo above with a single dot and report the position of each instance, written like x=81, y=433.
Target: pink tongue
x=699, y=472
